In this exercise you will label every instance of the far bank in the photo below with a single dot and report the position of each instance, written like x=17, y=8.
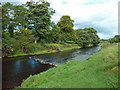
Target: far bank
x=49, y=48
x=46, y=48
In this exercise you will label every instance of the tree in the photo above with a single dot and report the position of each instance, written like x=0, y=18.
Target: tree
x=19, y=15
x=55, y=35
x=24, y=38
x=115, y=39
x=87, y=36
x=8, y=18
x=7, y=44
x=39, y=19
x=66, y=26
x=93, y=35
x=83, y=38
x=12, y=17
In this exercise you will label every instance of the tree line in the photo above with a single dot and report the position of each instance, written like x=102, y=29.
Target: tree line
x=26, y=26
x=115, y=39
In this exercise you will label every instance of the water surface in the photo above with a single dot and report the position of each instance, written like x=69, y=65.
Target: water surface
x=19, y=68
x=15, y=70
x=63, y=57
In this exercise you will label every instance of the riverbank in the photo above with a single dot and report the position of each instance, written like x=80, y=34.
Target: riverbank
x=99, y=71
x=49, y=48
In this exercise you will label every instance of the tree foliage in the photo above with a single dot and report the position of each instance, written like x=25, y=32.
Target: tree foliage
x=87, y=36
x=39, y=18
x=24, y=38
x=26, y=26
x=66, y=24
x=55, y=36
x=66, y=27
x=115, y=39
x=7, y=18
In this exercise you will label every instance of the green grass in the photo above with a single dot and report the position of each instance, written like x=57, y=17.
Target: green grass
x=99, y=71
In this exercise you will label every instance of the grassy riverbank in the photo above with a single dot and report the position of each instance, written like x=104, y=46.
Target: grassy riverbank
x=47, y=48
x=99, y=71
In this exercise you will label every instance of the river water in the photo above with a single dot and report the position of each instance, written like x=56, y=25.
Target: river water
x=17, y=69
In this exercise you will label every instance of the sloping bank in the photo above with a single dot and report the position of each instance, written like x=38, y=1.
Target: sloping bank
x=99, y=71
x=48, y=48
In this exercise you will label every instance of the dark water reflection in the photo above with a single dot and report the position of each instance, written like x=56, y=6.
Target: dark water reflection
x=15, y=70
x=19, y=69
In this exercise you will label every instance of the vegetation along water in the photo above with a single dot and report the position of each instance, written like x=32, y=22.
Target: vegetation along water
x=27, y=29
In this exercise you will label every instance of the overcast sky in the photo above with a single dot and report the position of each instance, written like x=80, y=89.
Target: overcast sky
x=99, y=14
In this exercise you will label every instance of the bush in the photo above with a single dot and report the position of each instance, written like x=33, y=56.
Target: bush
x=42, y=41
x=31, y=48
x=53, y=46
x=7, y=46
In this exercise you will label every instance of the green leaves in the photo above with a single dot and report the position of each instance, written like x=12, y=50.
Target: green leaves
x=13, y=17
x=115, y=39
x=39, y=18
x=55, y=34
x=31, y=23
x=66, y=27
x=66, y=24
x=24, y=38
x=87, y=36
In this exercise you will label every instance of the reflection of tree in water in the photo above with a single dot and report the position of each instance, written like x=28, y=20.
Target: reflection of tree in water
x=18, y=69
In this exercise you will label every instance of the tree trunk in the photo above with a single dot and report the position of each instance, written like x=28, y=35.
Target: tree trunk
x=35, y=40
x=21, y=49
x=11, y=30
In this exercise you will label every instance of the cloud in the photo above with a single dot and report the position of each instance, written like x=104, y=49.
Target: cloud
x=99, y=14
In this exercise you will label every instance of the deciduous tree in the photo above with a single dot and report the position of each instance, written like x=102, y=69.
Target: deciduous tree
x=66, y=25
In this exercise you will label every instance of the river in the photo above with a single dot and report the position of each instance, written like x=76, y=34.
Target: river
x=17, y=69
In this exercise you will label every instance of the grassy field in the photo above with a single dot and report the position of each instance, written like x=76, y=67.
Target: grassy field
x=99, y=71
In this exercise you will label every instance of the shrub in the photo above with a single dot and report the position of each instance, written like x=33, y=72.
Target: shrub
x=53, y=46
x=7, y=46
